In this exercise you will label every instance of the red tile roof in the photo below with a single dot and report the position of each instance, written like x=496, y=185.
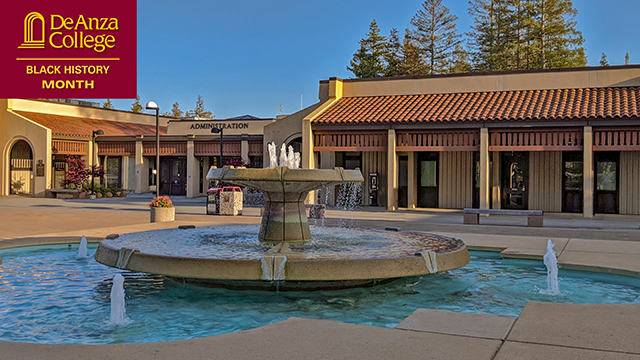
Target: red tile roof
x=83, y=127
x=557, y=104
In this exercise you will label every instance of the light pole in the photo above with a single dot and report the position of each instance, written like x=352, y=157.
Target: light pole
x=93, y=165
x=151, y=105
x=216, y=130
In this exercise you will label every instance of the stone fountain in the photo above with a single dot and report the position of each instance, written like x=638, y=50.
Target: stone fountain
x=286, y=253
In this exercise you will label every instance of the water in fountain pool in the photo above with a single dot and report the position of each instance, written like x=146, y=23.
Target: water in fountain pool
x=50, y=297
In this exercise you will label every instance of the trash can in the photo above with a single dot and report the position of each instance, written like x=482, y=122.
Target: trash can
x=230, y=200
x=213, y=201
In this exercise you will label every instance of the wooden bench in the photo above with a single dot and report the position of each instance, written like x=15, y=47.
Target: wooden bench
x=64, y=193
x=534, y=217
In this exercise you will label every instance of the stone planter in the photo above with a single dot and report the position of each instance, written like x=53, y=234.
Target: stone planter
x=163, y=214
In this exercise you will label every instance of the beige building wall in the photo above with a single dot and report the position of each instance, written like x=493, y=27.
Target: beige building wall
x=46, y=107
x=455, y=190
x=284, y=130
x=14, y=127
x=568, y=79
x=545, y=181
x=629, y=183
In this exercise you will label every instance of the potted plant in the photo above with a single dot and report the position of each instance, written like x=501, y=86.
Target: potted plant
x=162, y=209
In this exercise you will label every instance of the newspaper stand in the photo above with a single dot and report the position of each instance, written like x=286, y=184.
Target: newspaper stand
x=230, y=201
x=213, y=201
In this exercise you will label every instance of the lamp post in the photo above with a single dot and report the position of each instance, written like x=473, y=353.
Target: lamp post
x=93, y=165
x=151, y=105
x=216, y=130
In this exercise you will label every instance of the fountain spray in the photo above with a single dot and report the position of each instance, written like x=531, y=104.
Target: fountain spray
x=82, y=250
x=551, y=262
x=118, y=310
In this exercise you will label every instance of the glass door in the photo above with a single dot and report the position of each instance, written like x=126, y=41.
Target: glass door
x=403, y=183
x=606, y=194
x=428, y=180
x=515, y=180
x=572, y=181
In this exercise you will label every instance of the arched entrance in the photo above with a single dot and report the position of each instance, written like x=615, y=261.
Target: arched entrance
x=296, y=144
x=21, y=168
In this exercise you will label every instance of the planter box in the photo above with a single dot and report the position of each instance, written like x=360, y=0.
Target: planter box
x=163, y=214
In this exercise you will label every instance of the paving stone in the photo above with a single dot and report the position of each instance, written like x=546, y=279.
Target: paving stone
x=520, y=351
x=447, y=322
x=611, y=327
x=606, y=246
x=290, y=339
x=622, y=264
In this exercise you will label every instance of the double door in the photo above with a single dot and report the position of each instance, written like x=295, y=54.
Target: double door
x=173, y=173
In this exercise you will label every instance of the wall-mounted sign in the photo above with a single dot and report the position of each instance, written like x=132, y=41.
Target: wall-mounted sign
x=40, y=168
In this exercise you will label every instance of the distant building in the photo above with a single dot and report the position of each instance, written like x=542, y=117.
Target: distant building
x=36, y=137
x=561, y=140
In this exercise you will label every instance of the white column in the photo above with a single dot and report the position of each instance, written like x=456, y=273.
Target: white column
x=244, y=149
x=587, y=164
x=484, y=169
x=193, y=173
x=140, y=176
x=308, y=158
x=412, y=186
x=392, y=171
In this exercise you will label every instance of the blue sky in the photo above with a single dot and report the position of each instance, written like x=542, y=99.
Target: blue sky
x=249, y=56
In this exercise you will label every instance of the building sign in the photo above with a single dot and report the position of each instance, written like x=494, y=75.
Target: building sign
x=68, y=49
x=40, y=168
x=209, y=125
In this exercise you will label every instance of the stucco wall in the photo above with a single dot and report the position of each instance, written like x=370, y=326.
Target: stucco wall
x=284, y=130
x=13, y=128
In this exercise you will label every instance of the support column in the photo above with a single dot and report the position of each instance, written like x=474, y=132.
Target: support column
x=193, y=173
x=412, y=181
x=495, y=180
x=244, y=148
x=392, y=171
x=308, y=158
x=484, y=169
x=587, y=141
x=140, y=176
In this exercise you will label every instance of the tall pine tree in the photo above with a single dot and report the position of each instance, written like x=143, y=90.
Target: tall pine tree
x=107, y=104
x=435, y=34
x=559, y=40
x=603, y=60
x=412, y=60
x=200, y=111
x=368, y=61
x=393, y=55
x=626, y=59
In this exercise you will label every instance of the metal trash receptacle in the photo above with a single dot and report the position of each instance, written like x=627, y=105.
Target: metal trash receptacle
x=231, y=200
x=213, y=201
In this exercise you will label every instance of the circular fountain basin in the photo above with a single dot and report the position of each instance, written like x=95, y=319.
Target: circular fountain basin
x=233, y=257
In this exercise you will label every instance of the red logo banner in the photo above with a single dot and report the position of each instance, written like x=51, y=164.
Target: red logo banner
x=68, y=49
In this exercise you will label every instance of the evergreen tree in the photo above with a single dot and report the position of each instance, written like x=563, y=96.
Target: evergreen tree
x=393, y=55
x=491, y=38
x=368, y=61
x=460, y=63
x=556, y=34
x=107, y=104
x=412, y=60
x=435, y=34
x=175, y=111
x=136, y=107
x=200, y=111
x=603, y=60
x=626, y=59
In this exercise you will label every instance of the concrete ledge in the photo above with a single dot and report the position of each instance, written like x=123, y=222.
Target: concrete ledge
x=521, y=351
x=531, y=254
x=463, y=324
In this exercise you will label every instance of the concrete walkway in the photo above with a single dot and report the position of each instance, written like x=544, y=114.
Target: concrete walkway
x=542, y=331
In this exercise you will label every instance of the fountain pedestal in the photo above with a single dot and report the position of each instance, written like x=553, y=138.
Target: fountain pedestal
x=285, y=190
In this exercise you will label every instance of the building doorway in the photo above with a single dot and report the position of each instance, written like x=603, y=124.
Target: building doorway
x=173, y=172
x=428, y=179
x=515, y=180
x=403, y=181
x=572, y=181
x=21, y=167
x=606, y=194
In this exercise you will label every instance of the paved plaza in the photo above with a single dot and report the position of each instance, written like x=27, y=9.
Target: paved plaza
x=542, y=331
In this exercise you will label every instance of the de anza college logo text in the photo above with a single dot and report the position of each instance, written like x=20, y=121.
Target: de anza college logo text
x=69, y=33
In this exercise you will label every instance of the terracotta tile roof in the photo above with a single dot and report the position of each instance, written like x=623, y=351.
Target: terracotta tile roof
x=557, y=104
x=83, y=127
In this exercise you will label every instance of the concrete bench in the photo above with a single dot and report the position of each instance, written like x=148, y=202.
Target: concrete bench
x=64, y=193
x=534, y=217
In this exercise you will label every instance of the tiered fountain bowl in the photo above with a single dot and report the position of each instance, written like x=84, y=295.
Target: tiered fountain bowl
x=285, y=254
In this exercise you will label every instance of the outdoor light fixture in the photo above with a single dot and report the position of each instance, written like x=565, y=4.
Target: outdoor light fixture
x=216, y=130
x=151, y=105
x=93, y=165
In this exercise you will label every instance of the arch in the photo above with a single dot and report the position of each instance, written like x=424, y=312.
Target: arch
x=29, y=37
x=21, y=168
x=295, y=140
